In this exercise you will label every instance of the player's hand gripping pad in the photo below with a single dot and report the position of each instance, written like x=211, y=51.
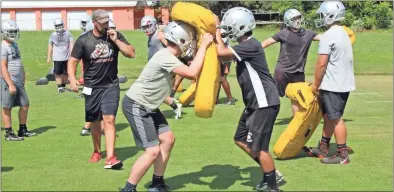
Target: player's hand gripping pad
x=304, y=123
x=208, y=81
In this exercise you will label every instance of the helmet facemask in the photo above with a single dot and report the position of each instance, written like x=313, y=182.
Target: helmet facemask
x=11, y=35
x=297, y=22
x=149, y=28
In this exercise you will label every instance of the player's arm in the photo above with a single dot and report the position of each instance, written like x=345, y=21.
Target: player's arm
x=268, y=42
x=49, y=52
x=160, y=36
x=75, y=57
x=317, y=37
x=124, y=46
x=191, y=72
x=4, y=72
x=320, y=70
x=324, y=51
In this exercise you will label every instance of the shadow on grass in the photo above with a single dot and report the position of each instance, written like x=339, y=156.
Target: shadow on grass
x=6, y=169
x=225, y=176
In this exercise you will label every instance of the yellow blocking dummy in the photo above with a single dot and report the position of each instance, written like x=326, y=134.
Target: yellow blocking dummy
x=188, y=96
x=208, y=81
x=350, y=33
x=304, y=123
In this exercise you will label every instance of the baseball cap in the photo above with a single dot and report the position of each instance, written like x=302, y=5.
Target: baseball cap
x=101, y=16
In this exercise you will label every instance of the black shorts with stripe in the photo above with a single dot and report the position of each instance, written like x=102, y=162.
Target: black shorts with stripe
x=255, y=127
x=145, y=124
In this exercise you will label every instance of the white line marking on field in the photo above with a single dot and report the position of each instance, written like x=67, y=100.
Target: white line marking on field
x=379, y=101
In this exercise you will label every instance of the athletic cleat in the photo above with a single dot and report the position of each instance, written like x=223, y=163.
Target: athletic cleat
x=96, y=157
x=10, y=136
x=123, y=190
x=113, y=163
x=158, y=188
x=61, y=90
x=342, y=157
x=231, y=101
x=178, y=111
x=85, y=132
x=25, y=133
x=263, y=185
x=321, y=151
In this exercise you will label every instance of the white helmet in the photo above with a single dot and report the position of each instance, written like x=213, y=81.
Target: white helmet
x=293, y=18
x=237, y=21
x=59, y=25
x=89, y=25
x=183, y=35
x=329, y=12
x=84, y=21
x=148, y=24
x=111, y=24
x=10, y=30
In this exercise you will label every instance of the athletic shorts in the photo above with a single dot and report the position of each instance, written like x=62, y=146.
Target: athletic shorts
x=60, y=67
x=282, y=79
x=19, y=99
x=225, y=68
x=255, y=127
x=333, y=104
x=101, y=101
x=145, y=124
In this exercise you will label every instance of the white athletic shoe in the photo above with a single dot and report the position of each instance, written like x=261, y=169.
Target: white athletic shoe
x=178, y=111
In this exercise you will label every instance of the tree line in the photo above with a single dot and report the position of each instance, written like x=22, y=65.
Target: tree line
x=360, y=15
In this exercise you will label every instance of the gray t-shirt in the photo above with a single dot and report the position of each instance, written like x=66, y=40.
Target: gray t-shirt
x=61, y=45
x=155, y=81
x=339, y=76
x=12, y=54
x=294, y=47
x=154, y=45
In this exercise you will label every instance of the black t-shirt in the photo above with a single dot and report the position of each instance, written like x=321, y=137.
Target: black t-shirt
x=100, y=59
x=294, y=47
x=257, y=85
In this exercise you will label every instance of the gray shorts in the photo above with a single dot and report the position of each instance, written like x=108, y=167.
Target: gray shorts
x=19, y=99
x=146, y=125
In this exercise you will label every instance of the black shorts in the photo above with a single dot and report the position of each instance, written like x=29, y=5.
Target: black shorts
x=223, y=67
x=333, y=103
x=145, y=124
x=60, y=67
x=282, y=79
x=255, y=127
x=102, y=101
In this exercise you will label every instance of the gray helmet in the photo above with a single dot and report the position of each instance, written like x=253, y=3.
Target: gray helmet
x=293, y=18
x=183, y=35
x=148, y=24
x=237, y=21
x=330, y=11
x=9, y=30
x=59, y=25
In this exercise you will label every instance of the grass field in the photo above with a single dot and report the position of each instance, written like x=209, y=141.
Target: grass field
x=204, y=157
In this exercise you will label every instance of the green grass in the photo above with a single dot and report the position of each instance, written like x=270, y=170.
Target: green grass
x=204, y=157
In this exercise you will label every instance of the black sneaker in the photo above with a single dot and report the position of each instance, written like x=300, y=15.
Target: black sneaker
x=265, y=187
x=158, y=188
x=123, y=190
x=10, y=136
x=342, y=157
x=25, y=133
